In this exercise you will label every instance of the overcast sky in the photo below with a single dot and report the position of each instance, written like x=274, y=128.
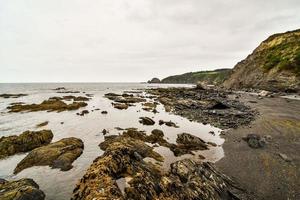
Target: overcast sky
x=132, y=40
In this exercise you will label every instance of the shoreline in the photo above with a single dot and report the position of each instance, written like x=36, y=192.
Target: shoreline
x=262, y=172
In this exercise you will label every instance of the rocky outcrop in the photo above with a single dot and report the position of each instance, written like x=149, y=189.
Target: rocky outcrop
x=60, y=154
x=25, y=142
x=154, y=80
x=124, y=158
x=70, y=97
x=274, y=65
x=6, y=96
x=146, y=121
x=23, y=189
x=50, y=105
x=207, y=106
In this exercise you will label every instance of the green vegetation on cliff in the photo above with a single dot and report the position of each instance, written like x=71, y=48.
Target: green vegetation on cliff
x=209, y=77
x=282, y=52
x=274, y=65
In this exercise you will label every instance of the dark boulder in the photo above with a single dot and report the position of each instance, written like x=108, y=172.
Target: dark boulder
x=147, y=121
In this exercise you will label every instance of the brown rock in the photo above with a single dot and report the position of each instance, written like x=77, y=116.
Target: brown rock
x=23, y=189
x=60, y=154
x=25, y=142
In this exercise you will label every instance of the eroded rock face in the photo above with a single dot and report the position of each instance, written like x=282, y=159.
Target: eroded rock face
x=49, y=105
x=123, y=158
x=23, y=189
x=25, y=142
x=60, y=154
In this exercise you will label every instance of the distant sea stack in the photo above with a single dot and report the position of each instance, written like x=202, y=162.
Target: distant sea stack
x=154, y=80
x=274, y=65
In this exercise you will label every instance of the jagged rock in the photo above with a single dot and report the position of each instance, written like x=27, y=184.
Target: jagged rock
x=23, y=189
x=47, y=105
x=25, y=142
x=6, y=96
x=206, y=106
x=124, y=158
x=147, y=121
x=191, y=142
x=104, y=112
x=60, y=154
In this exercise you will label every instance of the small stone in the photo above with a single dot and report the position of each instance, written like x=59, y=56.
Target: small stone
x=285, y=157
x=104, y=131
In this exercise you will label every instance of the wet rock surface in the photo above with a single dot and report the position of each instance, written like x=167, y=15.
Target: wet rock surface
x=25, y=142
x=6, y=96
x=60, y=154
x=205, y=105
x=120, y=106
x=146, y=121
x=70, y=97
x=23, y=189
x=83, y=112
x=42, y=124
x=123, y=101
x=50, y=105
x=168, y=123
x=124, y=158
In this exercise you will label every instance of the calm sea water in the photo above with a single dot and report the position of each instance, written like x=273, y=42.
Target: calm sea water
x=58, y=185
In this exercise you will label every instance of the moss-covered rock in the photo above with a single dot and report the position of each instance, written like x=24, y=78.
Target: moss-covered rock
x=124, y=158
x=50, y=105
x=60, y=154
x=25, y=142
x=23, y=189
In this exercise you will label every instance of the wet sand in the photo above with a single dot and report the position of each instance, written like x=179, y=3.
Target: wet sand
x=262, y=172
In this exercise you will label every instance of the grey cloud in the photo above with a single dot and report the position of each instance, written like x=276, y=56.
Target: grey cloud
x=132, y=40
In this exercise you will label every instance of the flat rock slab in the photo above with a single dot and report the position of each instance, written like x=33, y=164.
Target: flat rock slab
x=50, y=105
x=6, y=96
x=60, y=154
x=25, y=142
x=23, y=189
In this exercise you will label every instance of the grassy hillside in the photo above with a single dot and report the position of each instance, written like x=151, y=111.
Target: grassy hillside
x=273, y=65
x=209, y=77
